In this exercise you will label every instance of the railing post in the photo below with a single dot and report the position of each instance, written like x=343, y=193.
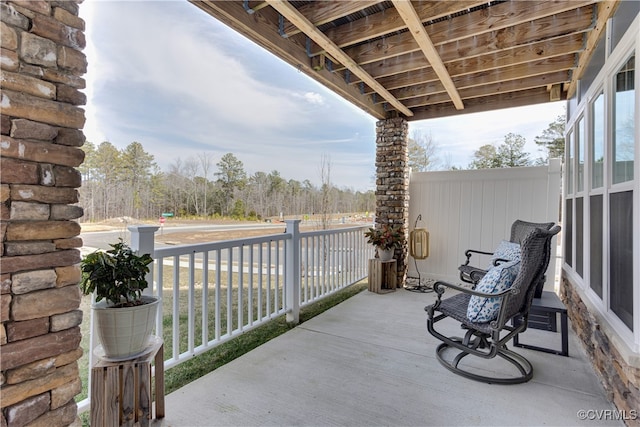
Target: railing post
x=292, y=272
x=143, y=242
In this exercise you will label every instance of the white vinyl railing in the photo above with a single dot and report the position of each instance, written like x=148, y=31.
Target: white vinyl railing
x=212, y=292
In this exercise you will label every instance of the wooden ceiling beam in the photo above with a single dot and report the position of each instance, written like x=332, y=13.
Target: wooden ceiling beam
x=410, y=17
x=546, y=49
x=471, y=90
x=479, y=105
x=292, y=14
x=605, y=11
x=501, y=87
x=259, y=28
x=389, y=22
x=405, y=82
x=570, y=22
x=495, y=17
x=322, y=12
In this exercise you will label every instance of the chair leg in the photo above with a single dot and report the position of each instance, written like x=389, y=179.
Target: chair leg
x=522, y=365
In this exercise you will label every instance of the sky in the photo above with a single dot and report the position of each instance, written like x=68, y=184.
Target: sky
x=169, y=76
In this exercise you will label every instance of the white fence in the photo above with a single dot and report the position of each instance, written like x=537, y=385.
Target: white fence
x=220, y=290
x=474, y=209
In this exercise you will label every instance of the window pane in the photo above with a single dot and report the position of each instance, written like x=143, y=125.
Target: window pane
x=621, y=255
x=580, y=236
x=568, y=240
x=570, y=157
x=595, y=243
x=597, y=142
x=624, y=110
x=580, y=155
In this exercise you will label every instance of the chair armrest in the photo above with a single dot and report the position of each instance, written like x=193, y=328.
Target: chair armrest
x=438, y=287
x=498, y=261
x=470, y=252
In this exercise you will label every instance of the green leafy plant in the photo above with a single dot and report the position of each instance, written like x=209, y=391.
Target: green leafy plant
x=117, y=275
x=385, y=237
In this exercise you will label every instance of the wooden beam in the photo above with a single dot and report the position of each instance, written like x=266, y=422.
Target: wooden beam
x=605, y=10
x=502, y=87
x=430, y=90
x=479, y=105
x=258, y=28
x=410, y=17
x=406, y=80
x=381, y=24
x=570, y=22
x=292, y=14
x=503, y=58
x=498, y=16
x=555, y=93
x=319, y=13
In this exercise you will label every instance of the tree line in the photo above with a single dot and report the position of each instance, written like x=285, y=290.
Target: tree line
x=128, y=183
x=423, y=151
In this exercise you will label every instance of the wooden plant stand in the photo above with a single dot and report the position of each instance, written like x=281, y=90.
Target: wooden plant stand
x=382, y=276
x=121, y=390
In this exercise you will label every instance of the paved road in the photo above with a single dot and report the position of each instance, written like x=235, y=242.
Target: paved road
x=101, y=239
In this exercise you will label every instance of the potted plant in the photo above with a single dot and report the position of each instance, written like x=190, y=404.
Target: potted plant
x=124, y=317
x=386, y=239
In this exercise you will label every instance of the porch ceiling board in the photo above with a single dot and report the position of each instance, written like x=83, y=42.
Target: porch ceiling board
x=483, y=54
x=494, y=61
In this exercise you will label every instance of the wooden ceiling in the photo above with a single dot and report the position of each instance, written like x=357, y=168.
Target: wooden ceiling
x=428, y=59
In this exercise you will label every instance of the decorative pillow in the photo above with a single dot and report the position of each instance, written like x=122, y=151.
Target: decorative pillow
x=506, y=250
x=497, y=279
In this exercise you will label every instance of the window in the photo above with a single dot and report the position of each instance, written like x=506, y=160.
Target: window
x=595, y=243
x=580, y=155
x=579, y=236
x=621, y=256
x=570, y=157
x=623, y=121
x=597, y=142
x=600, y=212
x=568, y=232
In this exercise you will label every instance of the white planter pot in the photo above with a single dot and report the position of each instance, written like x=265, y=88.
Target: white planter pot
x=123, y=332
x=385, y=254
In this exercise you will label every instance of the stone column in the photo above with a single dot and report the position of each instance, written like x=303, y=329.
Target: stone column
x=42, y=65
x=392, y=182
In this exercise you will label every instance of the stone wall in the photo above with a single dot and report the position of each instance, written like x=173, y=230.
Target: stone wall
x=392, y=182
x=621, y=381
x=41, y=68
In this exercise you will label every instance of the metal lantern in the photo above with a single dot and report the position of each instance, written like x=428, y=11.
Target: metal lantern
x=419, y=243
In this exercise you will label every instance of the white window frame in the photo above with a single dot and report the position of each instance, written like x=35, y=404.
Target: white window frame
x=629, y=44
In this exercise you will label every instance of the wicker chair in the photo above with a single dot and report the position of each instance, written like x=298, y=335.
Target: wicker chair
x=519, y=229
x=487, y=340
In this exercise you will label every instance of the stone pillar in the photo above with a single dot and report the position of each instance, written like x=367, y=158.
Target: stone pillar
x=41, y=76
x=392, y=182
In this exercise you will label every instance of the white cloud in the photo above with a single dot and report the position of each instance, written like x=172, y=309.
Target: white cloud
x=314, y=98
x=157, y=47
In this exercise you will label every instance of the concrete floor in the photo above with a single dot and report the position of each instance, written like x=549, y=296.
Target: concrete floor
x=370, y=362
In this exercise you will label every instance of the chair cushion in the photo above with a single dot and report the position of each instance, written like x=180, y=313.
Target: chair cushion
x=506, y=250
x=497, y=279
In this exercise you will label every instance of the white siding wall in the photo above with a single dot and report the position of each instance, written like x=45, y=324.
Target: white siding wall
x=474, y=209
